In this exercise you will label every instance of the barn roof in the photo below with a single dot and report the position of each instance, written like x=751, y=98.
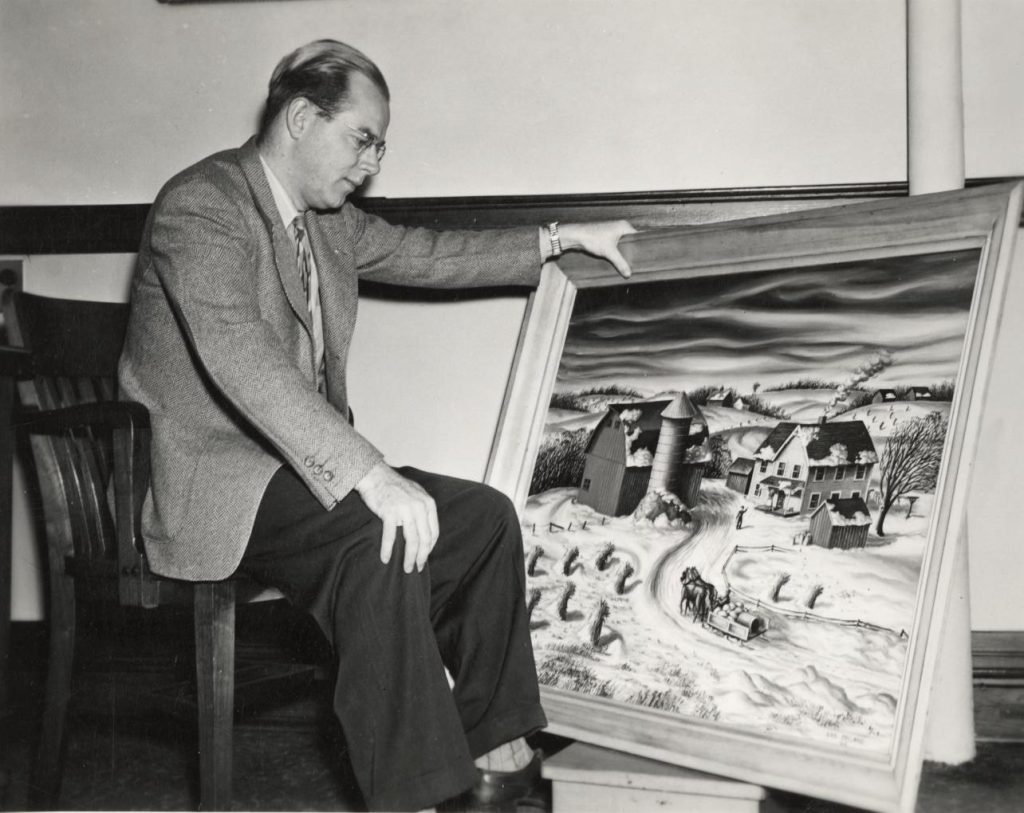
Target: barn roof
x=921, y=392
x=849, y=511
x=887, y=394
x=821, y=438
x=641, y=419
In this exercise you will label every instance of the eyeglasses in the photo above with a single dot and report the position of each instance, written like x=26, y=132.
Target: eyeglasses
x=365, y=141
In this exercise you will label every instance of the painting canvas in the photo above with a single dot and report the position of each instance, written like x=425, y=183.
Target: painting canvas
x=738, y=475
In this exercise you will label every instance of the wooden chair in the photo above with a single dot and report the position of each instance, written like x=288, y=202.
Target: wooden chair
x=82, y=440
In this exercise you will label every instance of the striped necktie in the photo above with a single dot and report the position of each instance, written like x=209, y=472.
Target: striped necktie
x=311, y=288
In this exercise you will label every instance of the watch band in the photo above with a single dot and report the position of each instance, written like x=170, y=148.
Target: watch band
x=556, y=241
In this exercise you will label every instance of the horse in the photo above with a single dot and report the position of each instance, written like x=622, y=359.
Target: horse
x=698, y=597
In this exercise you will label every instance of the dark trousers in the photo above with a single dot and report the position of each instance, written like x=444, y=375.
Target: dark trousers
x=412, y=738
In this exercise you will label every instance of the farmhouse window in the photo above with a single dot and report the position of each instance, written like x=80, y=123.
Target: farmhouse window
x=796, y=471
x=764, y=466
x=855, y=495
x=586, y=484
x=815, y=500
x=781, y=470
x=835, y=495
x=819, y=473
x=861, y=471
x=840, y=472
x=757, y=490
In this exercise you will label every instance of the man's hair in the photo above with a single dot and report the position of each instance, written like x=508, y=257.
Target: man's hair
x=318, y=71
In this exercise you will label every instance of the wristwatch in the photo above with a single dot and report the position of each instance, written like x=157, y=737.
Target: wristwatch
x=556, y=242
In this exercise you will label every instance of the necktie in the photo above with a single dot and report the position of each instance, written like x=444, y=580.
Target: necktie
x=311, y=287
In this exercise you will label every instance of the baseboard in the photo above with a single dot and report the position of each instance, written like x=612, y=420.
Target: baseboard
x=998, y=656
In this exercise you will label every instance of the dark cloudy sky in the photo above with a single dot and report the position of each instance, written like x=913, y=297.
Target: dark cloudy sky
x=776, y=326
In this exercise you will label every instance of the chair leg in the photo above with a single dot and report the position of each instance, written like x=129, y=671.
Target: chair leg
x=215, y=674
x=44, y=786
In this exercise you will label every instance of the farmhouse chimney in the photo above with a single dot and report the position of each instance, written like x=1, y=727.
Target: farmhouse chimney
x=673, y=442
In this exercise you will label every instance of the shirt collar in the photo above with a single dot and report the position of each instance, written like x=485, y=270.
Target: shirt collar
x=285, y=208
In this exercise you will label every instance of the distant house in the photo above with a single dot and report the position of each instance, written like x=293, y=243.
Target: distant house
x=884, y=396
x=800, y=466
x=640, y=446
x=841, y=523
x=739, y=404
x=738, y=478
x=718, y=398
x=920, y=394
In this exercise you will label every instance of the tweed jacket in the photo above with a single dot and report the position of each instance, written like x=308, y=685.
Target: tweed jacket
x=219, y=348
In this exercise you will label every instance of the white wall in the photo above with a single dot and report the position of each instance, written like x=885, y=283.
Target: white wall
x=102, y=100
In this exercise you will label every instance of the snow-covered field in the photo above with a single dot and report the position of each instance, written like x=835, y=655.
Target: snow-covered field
x=882, y=419
x=804, y=678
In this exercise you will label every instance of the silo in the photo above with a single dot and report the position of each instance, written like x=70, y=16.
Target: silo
x=673, y=442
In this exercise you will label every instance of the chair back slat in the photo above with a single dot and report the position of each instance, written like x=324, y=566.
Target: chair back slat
x=75, y=347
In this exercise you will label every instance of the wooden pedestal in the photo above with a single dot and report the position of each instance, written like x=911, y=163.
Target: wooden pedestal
x=588, y=779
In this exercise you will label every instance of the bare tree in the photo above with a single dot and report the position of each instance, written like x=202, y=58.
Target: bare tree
x=911, y=460
x=721, y=458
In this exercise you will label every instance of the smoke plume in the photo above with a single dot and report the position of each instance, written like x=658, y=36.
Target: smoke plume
x=866, y=371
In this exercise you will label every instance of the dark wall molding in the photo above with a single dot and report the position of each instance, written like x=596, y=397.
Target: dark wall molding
x=117, y=228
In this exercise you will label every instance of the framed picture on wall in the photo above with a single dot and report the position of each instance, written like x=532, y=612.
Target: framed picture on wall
x=741, y=475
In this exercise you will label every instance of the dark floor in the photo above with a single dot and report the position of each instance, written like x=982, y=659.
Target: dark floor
x=124, y=753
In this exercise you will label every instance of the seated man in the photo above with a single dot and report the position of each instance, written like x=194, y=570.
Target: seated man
x=242, y=310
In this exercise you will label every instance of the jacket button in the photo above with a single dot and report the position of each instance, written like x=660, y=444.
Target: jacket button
x=318, y=470
x=328, y=476
x=309, y=461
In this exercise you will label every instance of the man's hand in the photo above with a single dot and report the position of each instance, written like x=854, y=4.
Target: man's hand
x=401, y=503
x=600, y=239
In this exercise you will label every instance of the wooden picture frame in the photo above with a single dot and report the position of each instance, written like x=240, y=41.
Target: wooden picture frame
x=725, y=684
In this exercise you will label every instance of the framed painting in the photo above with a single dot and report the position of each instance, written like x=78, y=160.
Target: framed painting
x=741, y=474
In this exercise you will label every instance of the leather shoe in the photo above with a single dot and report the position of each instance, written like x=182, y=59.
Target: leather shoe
x=501, y=790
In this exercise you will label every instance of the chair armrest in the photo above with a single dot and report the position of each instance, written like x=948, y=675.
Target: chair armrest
x=98, y=415
x=15, y=362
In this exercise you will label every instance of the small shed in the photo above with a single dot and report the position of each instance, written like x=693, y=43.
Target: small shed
x=884, y=396
x=738, y=478
x=840, y=523
x=920, y=394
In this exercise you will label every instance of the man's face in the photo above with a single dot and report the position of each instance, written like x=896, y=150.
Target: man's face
x=328, y=161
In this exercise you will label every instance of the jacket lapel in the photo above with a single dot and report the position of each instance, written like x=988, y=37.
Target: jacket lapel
x=284, y=248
